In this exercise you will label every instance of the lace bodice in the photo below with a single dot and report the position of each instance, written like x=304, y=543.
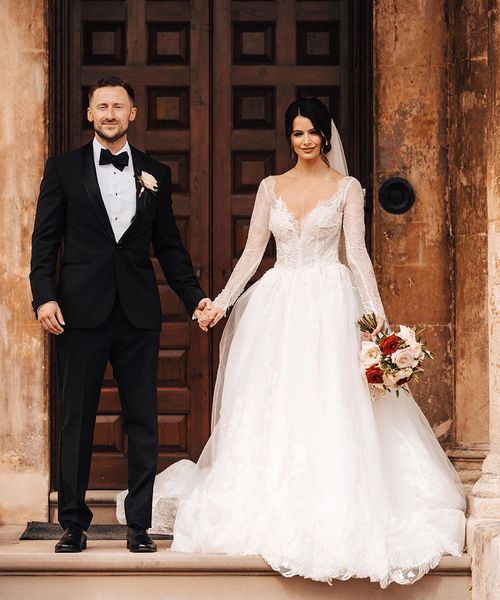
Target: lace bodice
x=310, y=242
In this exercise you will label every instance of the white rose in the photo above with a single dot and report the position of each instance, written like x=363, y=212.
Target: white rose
x=407, y=334
x=404, y=358
x=416, y=349
x=370, y=354
x=149, y=181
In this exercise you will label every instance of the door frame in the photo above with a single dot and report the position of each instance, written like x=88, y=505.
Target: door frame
x=59, y=80
x=362, y=94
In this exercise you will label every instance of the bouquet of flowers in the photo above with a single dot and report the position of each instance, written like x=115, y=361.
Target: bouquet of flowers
x=391, y=360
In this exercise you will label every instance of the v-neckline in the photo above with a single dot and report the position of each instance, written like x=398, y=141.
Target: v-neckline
x=299, y=222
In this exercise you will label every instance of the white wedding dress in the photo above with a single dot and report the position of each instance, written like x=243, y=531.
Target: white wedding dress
x=302, y=467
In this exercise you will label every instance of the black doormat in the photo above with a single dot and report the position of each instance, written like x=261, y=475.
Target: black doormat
x=37, y=530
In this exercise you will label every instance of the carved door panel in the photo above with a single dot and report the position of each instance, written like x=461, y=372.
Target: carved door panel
x=212, y=80
x=266, y=55
x=162, y=50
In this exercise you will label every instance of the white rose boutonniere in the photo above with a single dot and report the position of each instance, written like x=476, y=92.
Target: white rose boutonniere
x=147, y=182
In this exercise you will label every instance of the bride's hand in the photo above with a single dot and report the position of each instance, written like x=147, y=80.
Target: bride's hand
x=378, y=329
x=209, y=317
x=214, y=315
x=380, y=325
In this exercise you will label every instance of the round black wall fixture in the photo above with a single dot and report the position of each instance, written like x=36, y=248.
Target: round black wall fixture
x=396, y=195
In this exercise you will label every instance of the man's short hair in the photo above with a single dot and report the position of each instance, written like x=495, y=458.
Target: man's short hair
x=112, y=82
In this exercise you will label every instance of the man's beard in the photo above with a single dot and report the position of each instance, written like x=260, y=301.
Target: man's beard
x=107, y=137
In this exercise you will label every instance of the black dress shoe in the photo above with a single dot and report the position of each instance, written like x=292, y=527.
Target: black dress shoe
x=139, y=541
x=73, y=539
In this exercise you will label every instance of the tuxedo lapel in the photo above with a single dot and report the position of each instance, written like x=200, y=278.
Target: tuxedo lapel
x=92, y=188
x=139, y=166
x=140, y=204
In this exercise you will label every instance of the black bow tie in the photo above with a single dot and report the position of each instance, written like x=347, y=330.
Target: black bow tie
x=120, y=161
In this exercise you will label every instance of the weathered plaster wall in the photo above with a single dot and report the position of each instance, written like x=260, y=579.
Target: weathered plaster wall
x=412, y=252
x=24, y=456
x=468, y=92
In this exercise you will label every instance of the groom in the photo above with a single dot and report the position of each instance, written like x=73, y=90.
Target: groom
x=105, y=204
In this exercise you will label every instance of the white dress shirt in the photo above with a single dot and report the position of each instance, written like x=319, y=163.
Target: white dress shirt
x=118, y=190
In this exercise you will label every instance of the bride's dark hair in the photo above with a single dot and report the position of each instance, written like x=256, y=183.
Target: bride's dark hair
x=314, y=110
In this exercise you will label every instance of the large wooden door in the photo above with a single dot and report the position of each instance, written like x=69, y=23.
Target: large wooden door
x=213, y=79
x=162, y=49
x=266, y=55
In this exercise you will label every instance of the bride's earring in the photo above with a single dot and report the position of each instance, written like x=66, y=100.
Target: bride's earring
x=291, y=151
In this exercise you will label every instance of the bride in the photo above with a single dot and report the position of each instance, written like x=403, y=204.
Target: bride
x=302, y=467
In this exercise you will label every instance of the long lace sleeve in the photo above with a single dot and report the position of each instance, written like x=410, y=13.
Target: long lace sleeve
x=258, y=237
x=357, y=256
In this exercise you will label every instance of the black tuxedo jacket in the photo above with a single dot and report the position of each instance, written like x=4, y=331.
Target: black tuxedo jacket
x=94, y=267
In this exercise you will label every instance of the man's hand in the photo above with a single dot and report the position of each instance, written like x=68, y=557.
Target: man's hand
x=203, y=304
x=50, y=316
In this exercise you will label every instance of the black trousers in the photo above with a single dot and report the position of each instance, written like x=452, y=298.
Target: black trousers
x=82, y=357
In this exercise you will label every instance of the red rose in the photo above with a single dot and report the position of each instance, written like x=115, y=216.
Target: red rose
x=389, y=345
x=374, y=375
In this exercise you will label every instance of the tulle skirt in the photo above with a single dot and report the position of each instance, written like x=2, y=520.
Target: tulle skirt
x=302, y=467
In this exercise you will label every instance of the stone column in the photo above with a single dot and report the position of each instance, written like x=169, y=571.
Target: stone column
x=467, y=157
x=484, y=524
x=485, y=502
x=24, y=447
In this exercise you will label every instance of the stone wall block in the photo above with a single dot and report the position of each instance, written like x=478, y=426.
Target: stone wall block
x=409, y=32
x=408, y=132
x=413, y=266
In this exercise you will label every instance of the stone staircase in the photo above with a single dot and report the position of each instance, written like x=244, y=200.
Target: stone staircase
x=30, y=570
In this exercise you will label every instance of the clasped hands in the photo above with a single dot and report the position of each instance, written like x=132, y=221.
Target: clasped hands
x=207, y=314
x=52, y=320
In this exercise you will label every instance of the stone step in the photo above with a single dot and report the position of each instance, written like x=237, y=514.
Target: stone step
x=101, y=503
x=30, y=570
